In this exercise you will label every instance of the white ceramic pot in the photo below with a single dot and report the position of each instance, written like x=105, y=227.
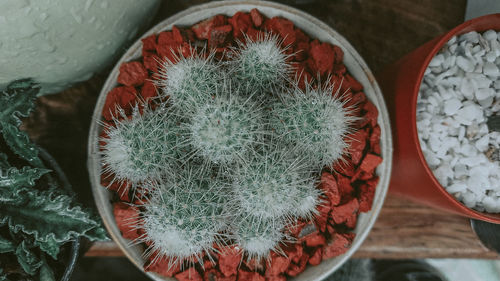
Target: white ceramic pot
x=60, y=42
x=315, y=29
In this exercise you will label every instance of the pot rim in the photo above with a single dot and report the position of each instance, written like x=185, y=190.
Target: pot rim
x=383, y=171
x=479, y=24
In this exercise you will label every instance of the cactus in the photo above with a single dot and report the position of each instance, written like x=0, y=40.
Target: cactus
x=272, y=185
x=189, y=81
x=142, y=147
x=221, y=162
x=260, y=65
x=184, y=214
x=225, y=129
x=258, y=237
x=316, y=120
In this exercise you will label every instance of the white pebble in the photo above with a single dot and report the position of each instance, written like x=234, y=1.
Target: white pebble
x=466, y=64
x=451, y=106
x=491, y=69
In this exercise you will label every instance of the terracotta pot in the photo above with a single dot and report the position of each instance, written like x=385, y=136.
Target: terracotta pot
x=411, y=177
x=316, y=29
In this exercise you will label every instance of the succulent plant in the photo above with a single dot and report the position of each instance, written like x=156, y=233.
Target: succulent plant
x=37, y=215
x=260, y=65
x=256, y=236
x=235, y=167
x=226, y=128
x=141, y=147
x=316, y=120
x=189, y=81
x=275, y=185
x=185, y=213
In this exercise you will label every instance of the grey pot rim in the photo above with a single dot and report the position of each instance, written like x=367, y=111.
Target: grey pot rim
x=384, y=170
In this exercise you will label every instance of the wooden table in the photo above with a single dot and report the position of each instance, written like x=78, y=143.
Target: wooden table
x=382, y=31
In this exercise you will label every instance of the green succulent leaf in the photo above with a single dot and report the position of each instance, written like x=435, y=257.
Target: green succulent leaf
x=20, y=143
x=13, y=178
x=27, y=259
x=46, y=273
x=6, y=245
x=18, y=101
x=50, y=219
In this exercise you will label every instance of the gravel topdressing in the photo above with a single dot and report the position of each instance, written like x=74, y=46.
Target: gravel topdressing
x=458, y=100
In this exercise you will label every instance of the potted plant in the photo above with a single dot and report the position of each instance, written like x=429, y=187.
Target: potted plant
x=40, y=222
x=225, y=149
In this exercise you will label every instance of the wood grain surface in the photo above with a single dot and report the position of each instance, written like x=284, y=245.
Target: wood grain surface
x=382, y=31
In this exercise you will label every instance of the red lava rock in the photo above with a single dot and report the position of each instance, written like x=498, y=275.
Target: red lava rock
x=257, y=17
x=148, y=90
x=322, y=57
x=219, y=35
x=322, y=217
x=151, y=61
x=355, y=101
x=254, y=265
x=294, y=251
x=283, y=27
x=316, y=257
x=276, y=278
x=123, y=96
x=296, y=269
x=357, y=145
x=302, y=51
x=132, y=74
x=339, y=54
x=124, y=216
x=371, y=113
x=343, y=212
x=229, y=260
x=249, y=276
x=202, y=29
x=336, y=247
x=346, y=169
x=375, y=136
x=214, y=275
x=345, y=188
x=354, y=84
x=315, y=239
x=240, y=23
x=366, y=194
x=166, y=45
x=122, y=189
x=277, y=265
x=340, y=70
x=329, y=186
x=181, y=35
x=162, y=267
x=149, y=43
x=189, y=274
x=370, y=162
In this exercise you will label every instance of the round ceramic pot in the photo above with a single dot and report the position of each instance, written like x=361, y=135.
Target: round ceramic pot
x=400, y=82
x=315, y=29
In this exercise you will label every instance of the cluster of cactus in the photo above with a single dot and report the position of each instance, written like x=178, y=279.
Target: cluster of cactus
x=231, y=154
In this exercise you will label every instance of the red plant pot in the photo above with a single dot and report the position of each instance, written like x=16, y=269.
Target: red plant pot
x=400, y=83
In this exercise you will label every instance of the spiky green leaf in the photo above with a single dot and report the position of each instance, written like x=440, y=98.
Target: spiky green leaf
x=46, y=273
x=6, y=245
x=13, y=178
x=18, y=101
x=20, y=143
x=27, y=259
x=50, y=219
